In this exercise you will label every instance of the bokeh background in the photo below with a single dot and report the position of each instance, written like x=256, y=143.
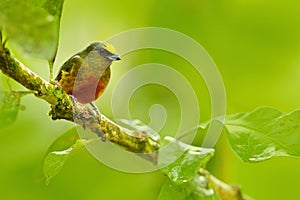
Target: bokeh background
x=256, y=46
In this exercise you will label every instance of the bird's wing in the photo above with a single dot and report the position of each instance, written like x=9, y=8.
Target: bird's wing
x=74, y=62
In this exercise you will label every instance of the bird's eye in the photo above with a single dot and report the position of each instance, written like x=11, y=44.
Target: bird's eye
x=102, y=50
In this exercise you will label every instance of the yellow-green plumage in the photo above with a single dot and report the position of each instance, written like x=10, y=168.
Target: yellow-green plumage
x=87, y=73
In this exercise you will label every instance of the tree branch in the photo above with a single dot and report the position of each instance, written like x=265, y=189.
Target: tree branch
x=224, y=190
x=62, y=107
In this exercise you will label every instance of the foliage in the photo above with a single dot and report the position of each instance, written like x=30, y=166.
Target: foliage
x=184, y=180
x=38, y=33
x=9, y=107
x=60, y=151
x=263, y=133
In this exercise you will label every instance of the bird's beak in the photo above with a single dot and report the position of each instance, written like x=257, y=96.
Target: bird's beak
x=114, y=57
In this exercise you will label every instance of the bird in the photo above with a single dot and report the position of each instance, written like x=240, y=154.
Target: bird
x=86, y=74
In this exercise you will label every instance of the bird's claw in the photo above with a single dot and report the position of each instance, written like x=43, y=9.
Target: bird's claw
x=97, y=111
x=74, y=100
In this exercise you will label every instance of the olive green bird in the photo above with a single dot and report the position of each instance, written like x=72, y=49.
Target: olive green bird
x=86, y=74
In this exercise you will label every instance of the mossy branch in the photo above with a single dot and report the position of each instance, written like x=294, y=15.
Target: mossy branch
x=62, y=107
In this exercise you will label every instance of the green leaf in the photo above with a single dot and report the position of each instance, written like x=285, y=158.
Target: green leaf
x=54, y=7
x=196, y=189
x=64, y=141
x=32, y=26
x=9, y=107
x=181, y=161
x=171, y=191
x=264, y=133
x=60, y=151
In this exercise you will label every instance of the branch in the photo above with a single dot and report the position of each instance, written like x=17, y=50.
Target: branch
x=224, y=190
x=62, y=107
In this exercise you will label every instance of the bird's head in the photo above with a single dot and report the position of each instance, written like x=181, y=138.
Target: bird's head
x=105, y=50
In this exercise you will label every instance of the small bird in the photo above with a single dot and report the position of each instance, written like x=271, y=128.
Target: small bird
x=86, y=74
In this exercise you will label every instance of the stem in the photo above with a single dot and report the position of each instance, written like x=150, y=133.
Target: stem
x=224, y=190
x=50, y=63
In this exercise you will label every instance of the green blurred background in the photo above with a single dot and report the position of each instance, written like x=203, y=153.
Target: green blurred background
x=256, y=46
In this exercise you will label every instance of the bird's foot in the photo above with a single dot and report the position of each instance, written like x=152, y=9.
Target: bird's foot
x=96, y=110
x=74, y=100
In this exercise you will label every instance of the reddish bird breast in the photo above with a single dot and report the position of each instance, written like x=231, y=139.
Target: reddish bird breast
x=88, y=91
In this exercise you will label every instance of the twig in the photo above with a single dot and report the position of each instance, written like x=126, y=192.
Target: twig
x=224, y=190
